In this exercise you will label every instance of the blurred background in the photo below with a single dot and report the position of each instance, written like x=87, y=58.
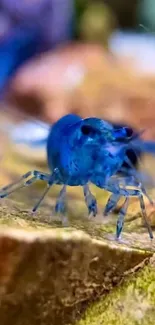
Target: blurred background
x=83, y=56
x=92, y=58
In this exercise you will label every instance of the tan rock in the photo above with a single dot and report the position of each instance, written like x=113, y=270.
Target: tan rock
x=48, y=276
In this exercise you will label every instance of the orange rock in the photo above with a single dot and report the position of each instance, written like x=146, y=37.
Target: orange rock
x=87, y=80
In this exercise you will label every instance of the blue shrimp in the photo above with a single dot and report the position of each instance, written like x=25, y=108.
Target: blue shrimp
x=34, y=134
x=91, y=150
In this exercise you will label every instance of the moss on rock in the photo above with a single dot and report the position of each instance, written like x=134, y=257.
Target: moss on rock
x=131, y=303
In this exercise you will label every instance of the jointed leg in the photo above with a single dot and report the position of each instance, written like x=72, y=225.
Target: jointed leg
x=133, y=180
x=113, y=187
x=129, y=180
x=138, y=193
x=50, y=183
x=142, y=205
x=111, y=204
x=60, y=206
x=121, y=216
x=140, y=178
x=90, y=200
x=26, y=180
x=148, y=197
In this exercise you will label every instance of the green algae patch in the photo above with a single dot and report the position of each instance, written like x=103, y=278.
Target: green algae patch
x=132, y=303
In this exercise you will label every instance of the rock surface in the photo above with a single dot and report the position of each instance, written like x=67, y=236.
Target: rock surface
x=48, y=276
x=132, y=303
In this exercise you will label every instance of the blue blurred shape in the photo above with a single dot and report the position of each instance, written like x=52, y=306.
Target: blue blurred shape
x=20, y=45
x=32, y=27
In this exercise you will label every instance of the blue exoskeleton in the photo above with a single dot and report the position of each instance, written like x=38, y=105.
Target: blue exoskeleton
x=82, y=151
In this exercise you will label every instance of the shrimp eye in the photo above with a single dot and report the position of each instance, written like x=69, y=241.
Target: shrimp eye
x=86, y=130
x=129, y=132
x=123, y=133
